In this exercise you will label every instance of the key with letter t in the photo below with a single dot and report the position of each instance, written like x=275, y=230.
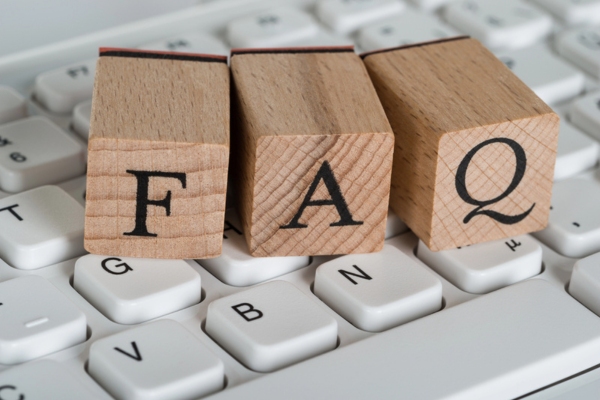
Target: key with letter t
x=313, y=149
x=158, y=155
x=475, y=147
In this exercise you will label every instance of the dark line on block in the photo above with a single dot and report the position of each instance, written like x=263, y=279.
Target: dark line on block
x=409, y=46
x=161, y=55
x=294, y=50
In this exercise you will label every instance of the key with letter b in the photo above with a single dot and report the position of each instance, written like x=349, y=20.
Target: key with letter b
x=271, y=326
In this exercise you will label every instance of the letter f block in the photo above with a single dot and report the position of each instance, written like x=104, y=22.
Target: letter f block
x=158, y=155
x=313, y=150
x=475, y=147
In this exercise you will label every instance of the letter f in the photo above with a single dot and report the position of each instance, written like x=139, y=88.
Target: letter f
x=142, y=201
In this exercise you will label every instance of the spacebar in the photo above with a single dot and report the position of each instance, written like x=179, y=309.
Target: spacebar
x=499, y=346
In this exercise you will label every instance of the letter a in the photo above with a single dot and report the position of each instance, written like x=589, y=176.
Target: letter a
x=337, y=199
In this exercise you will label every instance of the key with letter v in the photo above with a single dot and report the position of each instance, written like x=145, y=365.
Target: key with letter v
x=162, y=358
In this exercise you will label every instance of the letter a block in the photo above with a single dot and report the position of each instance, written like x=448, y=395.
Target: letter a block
x=158, y=155
x=313, y=149
x=475, y=147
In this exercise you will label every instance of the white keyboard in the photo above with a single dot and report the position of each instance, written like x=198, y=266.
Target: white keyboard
x=516, y=318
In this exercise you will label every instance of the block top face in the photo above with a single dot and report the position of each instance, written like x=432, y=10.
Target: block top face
x=157, y=96
x=453, y=85
x=304, y=92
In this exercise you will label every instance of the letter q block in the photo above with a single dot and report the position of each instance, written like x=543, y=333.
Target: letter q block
x=313, y=151
x=158, y=155
x=475, y=147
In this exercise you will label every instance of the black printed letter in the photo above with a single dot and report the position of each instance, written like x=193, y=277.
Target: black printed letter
x=461, y=184
x=513, y=244
x=337, y=199
x=229, y=226
x=142, y=200
x=362, y=274
x=137, y=356
x=250, y=309
x=13, y=212
x=125, y=270
x=11, y=387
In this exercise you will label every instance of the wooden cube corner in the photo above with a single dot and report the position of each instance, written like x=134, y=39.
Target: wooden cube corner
x=475, y=147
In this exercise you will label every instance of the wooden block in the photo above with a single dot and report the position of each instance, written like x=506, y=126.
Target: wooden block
x=313, y=150
x=475, y=147
x=158, y=155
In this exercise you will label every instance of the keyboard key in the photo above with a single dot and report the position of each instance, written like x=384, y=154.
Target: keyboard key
x=409, y=27
x=573, y=12
x=576, y=151
x=190, y=43
x=81, y=118
x=274, y=28
x=41, y=227
x=584, y=113
x=429, y=5
x=394, y=226
x=507, y=24
x=34, y=152
x=323, y=39
x=134, y=290
x=60, y=90
x=41, y=380
x=581, y=47
x=344, y=16
x=12, y=105
x=574, y=226
x=378, y=291
x=235, y=266
x=499, y=346
x=160, y=360
x=585, y=282
x=271, y=326
x=37, y=319
x=484, y=267
x=76, y=188
x=551, y=78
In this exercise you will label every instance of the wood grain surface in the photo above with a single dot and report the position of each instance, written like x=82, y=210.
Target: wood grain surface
x=451, y=103
x=158, y=115
x=301, y=120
